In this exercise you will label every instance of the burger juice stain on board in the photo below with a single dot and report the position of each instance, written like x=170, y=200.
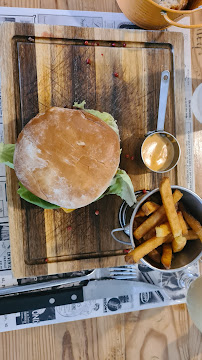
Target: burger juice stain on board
x=55, y=72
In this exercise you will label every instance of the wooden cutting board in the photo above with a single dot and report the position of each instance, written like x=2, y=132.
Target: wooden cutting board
x=45, y=66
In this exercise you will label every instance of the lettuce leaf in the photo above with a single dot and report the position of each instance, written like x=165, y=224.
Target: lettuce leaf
x=6, y=154
x=104, y=116
x=33, y=199
x=122, y=186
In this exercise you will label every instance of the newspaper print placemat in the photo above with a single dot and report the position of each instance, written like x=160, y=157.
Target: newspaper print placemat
x=173, y=283
x=174, y=292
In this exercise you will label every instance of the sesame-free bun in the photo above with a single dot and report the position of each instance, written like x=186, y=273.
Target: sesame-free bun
x=67, y=157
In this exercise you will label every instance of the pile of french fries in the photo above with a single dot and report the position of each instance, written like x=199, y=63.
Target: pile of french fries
x=162, y=230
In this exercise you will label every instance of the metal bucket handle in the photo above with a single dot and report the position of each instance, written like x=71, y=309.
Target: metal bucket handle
x=120, y=241
x=126, y=228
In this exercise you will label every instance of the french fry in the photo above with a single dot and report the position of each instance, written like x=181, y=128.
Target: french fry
x=182, y=223
x=163, y=229
x=140, y=251
x=191, y=235
x=138, y=221
x=177, y=195
x=179, y=243
x=169, y=206
x=155, y=218
x=149, y=223
x=154, y=254
x=170, y=238
x=151, y=233
x=140, y=213
x=166, y=257
x=129, y=259
x=149, y=207
x=193, y=223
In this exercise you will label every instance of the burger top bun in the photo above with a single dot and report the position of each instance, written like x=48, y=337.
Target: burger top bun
x=67, y=157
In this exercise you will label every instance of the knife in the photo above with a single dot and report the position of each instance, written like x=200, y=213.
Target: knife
x=94, y=290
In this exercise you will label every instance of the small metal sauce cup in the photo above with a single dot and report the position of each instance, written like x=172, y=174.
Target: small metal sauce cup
x=165, y=79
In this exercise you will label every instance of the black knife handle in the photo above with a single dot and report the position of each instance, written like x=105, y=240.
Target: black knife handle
x=39, y=300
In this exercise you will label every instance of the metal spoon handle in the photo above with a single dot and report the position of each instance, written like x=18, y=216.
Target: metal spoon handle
x=165, y=79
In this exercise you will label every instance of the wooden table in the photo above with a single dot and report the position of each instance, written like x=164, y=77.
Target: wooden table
x=158, y=334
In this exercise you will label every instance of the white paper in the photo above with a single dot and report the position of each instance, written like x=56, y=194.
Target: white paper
x=188, y=97
x=172, y=294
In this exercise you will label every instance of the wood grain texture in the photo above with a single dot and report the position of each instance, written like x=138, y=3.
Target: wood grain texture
x=89, y=5
x=157, y=334
x=60, y=76
x=131, y=333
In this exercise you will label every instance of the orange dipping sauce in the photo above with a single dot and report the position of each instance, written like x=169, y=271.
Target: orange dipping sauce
x=157, y=152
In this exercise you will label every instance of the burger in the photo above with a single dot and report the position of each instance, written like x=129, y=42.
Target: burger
x=68, y=158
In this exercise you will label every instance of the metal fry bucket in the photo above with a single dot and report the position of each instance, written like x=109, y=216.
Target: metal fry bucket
x=193, y=249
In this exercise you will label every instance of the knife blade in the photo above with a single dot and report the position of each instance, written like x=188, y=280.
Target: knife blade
x=94, y=290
